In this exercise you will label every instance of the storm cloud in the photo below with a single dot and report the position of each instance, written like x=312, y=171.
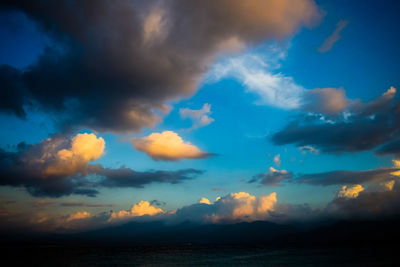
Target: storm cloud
x=113, y=65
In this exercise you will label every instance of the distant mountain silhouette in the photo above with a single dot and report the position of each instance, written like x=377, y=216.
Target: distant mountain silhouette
x=255, y=233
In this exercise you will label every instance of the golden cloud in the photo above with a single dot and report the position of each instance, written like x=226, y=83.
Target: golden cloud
x=168, y=146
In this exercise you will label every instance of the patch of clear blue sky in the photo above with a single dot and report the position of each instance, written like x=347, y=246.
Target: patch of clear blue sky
x=364, y=62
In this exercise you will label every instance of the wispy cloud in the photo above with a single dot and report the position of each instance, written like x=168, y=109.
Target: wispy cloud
x=334, y=37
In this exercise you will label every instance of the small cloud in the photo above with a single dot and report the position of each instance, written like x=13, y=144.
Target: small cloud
x=388, y=185
x=168, y=146
x=273, y=178
x=308, y=149
x=277, y=160
x=334, y=37
x=204, y=200
x=350, y=192
x=199, y=117
x=79, y=216
x=140, y=209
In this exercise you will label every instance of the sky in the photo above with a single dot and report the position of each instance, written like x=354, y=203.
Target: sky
x=211, y=111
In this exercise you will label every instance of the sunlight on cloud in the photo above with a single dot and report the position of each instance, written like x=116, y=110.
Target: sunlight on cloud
x=78, y=216
x=84, y=148
x=140, y=209
x=204, y=200
x=350, y=192
x=168, y=146
x=242, y=206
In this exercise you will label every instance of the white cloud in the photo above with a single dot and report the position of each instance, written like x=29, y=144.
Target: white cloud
x=200, y=117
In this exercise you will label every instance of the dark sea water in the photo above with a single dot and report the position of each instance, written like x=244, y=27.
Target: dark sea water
x=195, y=255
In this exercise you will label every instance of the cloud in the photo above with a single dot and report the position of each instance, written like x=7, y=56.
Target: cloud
x=60, y=166
x=258, y=73
x=204, y=200
x=126, y=177
x=361, y=127
x=277, y=160
x=273, y=178
x=140, y=209
x=43, y=168
x=234, y=207
x=79, y=216
x=309, y=149
x=150, y=53
x=200, y=117
x=168, y=146
x=346, y=177
x=325, y=100
x=350, y=192
x=334, y=37
x=274, y=89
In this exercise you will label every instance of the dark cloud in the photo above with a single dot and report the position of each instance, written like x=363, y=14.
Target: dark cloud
x=126, y=177
x=32, y=167
x=346, y=177
x=273, y=178
x=113, y=63
x=158, y=203
x=368, y=205
x=365, y=126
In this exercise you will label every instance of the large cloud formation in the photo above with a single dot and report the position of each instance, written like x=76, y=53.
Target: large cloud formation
x=60, y=166
x=113, y=63
x=353, y=127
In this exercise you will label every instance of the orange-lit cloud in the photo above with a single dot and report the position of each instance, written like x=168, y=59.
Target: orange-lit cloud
x=84, y=148
x=168, y=146
x=78, y=216
x=140, y=209
x=204, y=200
x=242, y=206
x=350, y=192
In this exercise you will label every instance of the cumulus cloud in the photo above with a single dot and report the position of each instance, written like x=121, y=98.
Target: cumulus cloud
x=363, y=126
x=168, y=146
x=204, y=200
x=150, y=53
x=140, y=209
x=334, y=37
x=273, y=178
x=200, y=117
x=60, y=166
x=350, y=191
x=42, y=168
x=234, y=207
